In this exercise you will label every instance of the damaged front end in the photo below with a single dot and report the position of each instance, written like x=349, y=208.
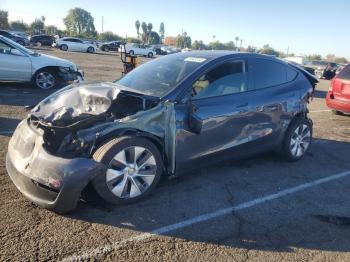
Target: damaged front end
x=53, y=146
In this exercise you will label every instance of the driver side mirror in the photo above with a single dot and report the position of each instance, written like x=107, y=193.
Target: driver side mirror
x=195, y=123
x=16, y=52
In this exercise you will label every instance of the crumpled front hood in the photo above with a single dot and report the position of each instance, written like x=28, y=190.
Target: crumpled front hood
x=75, y=101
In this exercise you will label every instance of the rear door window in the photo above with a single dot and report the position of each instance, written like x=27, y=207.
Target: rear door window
x=345, y=73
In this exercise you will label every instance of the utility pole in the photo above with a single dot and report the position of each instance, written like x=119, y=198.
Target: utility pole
x=102, y=24
x=287, y=51
x=240, y=46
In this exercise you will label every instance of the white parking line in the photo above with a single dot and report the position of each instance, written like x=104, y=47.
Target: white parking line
x=319, y=111
x=202, y=218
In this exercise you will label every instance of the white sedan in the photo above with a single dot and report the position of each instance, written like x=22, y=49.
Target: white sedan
x=75, y=44
x=136, y=49
x=20, y=64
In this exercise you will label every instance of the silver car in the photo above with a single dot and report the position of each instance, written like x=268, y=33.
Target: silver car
x=20, y=64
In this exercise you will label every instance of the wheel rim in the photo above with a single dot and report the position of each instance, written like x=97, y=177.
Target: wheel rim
x=90, y=49
x=300, y=140
x=45, y=80
x=131, y=172
x=64, y=48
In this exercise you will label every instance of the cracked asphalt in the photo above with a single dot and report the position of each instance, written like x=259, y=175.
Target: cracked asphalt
x=309, y=225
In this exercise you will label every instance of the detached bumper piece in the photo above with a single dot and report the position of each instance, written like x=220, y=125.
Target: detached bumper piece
x=51, y=182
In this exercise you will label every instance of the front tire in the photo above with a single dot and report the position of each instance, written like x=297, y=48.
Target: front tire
x=134, y=167
x=106, y=49
x=131, y=52
x=150, y=55
x=297, y=139
x=45, y=79
x=90, y=50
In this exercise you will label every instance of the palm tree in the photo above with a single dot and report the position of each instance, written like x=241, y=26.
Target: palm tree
x=144, y=34
x=137, y=25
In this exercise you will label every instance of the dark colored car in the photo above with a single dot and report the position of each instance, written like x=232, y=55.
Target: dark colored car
x=165, y=117
x=338, y=96
x=42, y=40
x=110, y=46
x=19, y=40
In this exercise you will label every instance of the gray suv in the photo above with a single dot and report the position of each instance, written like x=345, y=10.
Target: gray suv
x=165, y=117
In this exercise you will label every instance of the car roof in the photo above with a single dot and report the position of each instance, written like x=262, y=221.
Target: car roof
x=217, y=54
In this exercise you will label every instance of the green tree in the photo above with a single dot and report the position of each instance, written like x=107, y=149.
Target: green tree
x=18, y=26
x=109, y=36
x=229, y=46
x=79, y=22
x=199, y=45
x=341, y=60
x=154, y=38
x=37, y=26
x=4, y=21
x=251, y=49
x=217, y=45
x=137, y=25
x=162, y=31
x=183, y=41
x=51, y=30
x=314, y=57
x=268, y=50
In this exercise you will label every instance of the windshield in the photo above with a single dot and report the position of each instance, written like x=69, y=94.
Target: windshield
x=160, y=76
x=19, y=47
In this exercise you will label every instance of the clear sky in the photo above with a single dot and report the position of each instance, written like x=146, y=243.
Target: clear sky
x=305, y=26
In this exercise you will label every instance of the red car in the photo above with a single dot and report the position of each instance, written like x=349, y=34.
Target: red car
x=338, y=96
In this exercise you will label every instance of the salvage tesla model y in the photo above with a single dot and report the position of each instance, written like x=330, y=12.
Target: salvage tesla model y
x=163, y=118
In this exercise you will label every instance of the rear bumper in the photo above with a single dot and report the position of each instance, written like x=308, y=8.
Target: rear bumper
x=342, y=105
x=51, y=182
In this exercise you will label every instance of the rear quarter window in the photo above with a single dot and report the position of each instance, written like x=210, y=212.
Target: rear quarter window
x=268, y=73
x=345, y=73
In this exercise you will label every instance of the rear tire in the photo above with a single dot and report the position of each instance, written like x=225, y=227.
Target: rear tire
x=150, y=55
x=106, y=49
x=297, y=139
x=134, y=169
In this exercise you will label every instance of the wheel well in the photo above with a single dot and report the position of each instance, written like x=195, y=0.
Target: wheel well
x=48, y=68
x=133, y=132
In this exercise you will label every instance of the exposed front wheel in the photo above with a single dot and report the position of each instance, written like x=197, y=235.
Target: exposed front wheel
x=134, y=166
x=90, y=50
x=45, y=79
x=297, y=139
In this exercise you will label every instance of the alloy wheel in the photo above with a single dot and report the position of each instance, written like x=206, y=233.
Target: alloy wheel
x=300, y=140
x=45, y=80
x=131, y=172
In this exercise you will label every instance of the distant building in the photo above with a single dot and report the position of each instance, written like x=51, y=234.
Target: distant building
x=170, y=40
